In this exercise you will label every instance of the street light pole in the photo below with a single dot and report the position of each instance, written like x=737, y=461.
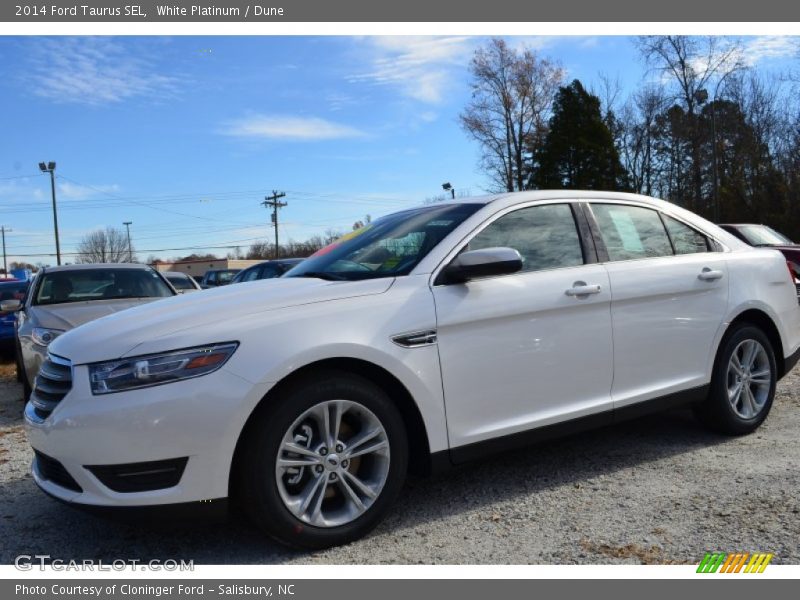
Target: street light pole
x=50, y=167
x=130, y=248
x=448, y=187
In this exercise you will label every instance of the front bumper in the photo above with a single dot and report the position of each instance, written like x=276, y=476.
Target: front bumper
x=197, y=419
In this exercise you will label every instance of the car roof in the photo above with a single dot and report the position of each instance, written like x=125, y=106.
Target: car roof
x=511, y=198
x=96, y=267
x=175, y=274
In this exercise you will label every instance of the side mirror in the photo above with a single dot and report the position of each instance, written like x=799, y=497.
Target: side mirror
x=10, y=305
x=487, y=262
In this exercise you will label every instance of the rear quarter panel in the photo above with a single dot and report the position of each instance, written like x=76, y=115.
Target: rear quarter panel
x=759, y=279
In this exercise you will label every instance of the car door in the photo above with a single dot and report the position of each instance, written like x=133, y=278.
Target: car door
x=669, y=295
x=532, y=348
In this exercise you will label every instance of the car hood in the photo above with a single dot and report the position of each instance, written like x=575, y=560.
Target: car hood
x=70, y=315
x=119, y=334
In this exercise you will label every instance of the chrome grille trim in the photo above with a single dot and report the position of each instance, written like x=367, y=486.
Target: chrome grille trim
x=53, y=382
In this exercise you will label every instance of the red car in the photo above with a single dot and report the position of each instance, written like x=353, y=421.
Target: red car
x=763, y=236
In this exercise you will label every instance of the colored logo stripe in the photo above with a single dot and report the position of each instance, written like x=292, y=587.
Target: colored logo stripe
x=734, y=563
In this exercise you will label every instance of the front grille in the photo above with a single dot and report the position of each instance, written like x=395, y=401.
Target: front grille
x=52, y=383
x=52, y=470
x=140, y=477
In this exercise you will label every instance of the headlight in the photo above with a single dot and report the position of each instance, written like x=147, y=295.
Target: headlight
x=157, y=369
x=43, y=336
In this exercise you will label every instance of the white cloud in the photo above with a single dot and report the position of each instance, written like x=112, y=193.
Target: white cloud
x=94, y=71
x=75, y=191
x=770, y=46
x=419, y=66
x=290, y=128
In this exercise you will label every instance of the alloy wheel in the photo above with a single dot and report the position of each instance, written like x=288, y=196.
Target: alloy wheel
x=749, y=379
x=332, y=463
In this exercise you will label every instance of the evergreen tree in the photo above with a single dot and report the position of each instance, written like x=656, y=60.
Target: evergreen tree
x=578, y=151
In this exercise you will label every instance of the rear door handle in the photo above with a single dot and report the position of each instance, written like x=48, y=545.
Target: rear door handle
x=710, y=275
x=581, y=289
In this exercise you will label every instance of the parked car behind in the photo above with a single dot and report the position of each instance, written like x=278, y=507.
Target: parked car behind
x=62, y=298
x=181, y=282
x=267, y=270
x=10, y=289
x=218, y=277
x=762, y=236
x=431, y=337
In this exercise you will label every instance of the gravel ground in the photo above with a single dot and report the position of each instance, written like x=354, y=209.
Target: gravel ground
x=656, y=490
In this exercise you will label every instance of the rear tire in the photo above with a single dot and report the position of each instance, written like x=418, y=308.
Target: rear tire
x=329, y=488
x=742, y=384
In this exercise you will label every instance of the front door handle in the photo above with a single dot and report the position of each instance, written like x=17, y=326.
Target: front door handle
x=710, y=274
x=579, y=288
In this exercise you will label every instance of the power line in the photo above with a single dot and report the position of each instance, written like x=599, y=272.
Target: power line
x=228, y=246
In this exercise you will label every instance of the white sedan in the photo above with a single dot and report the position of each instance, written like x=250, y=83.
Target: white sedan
x=430, y=337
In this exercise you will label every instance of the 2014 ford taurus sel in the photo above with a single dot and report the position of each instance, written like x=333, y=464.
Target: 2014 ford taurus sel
x=429, y=337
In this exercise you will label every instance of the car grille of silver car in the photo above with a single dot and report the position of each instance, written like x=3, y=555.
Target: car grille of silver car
x=52, y=383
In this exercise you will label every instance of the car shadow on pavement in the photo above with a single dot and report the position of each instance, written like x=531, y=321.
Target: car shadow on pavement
x=32, y=523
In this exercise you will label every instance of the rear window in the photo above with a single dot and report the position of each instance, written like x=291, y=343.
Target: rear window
x=99, y=284
x=180, y=283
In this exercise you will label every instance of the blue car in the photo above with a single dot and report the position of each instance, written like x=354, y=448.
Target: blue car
x=10, y=290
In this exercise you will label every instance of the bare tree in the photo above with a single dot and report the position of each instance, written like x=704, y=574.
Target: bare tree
x=109, y=245
x=637, y=124
x=692, y=64
x=512, y=93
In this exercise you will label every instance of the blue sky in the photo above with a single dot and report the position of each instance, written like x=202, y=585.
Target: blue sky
x=185, y=135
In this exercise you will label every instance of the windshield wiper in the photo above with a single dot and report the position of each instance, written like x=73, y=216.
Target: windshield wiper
x=322, y=275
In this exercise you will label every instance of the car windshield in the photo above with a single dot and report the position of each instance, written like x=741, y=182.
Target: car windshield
x=761, y=235
x=388, y=247
x=99, y=284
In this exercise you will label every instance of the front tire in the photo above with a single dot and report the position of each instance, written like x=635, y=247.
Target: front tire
x=322, y=462
x=743, y=383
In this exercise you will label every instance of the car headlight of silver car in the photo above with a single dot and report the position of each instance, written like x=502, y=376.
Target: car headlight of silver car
x=157, y=369
x=43, y=336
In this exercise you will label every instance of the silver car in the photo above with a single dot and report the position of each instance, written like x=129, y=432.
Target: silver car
x=61, y=298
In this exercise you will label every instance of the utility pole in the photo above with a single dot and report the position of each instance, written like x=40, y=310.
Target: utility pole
x=5, y=265
x=130, y=248
x=50, y=167
x=273, y=203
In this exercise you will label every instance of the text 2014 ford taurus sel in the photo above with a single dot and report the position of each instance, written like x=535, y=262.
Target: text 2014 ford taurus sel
x=427, y=338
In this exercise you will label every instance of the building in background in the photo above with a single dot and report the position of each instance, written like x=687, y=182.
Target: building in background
x=198, y=268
